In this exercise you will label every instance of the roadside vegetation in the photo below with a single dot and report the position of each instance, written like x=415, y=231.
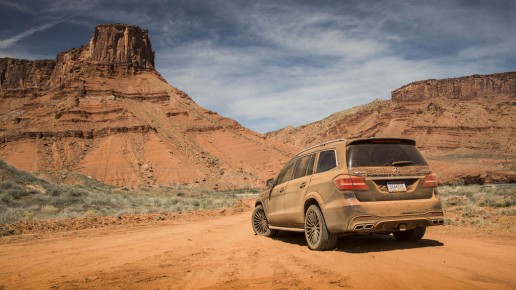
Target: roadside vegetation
x=23, y=196
x=486, y=206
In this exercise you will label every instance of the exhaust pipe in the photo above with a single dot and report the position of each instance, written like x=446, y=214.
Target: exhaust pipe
x=363, y=227
x=359, y=227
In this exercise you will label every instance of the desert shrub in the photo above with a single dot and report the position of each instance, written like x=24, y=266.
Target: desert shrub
x=17, y=192
x=54, y=191
x=455, y=200
x=19, y=176
x=511, y=211
x=172, y=201
x=23, y=196
x=6, y=185
x=496, y=201
x=49, y=209
x=10, y=215
x=90, y=213
x=70, y=213
x=5, y=199
x=472, y=211
x=479, y=205
x=76, y=192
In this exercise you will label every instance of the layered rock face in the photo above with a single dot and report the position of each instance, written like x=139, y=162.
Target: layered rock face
x=121, y=44
x=19, y=76
x=104, y=111
x=114, y=49
x=458, y=88
x=464, y=126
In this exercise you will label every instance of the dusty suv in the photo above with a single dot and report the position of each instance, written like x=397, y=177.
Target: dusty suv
x=361, y=186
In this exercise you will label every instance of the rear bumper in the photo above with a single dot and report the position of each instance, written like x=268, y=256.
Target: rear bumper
x=344, y=216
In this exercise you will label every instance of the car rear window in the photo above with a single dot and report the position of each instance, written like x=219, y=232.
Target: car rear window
x=383, y=154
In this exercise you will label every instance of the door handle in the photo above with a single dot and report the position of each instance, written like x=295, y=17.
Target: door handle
x=302, y=185
x=282, y=190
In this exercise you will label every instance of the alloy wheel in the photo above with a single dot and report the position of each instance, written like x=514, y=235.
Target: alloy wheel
x=312, y=227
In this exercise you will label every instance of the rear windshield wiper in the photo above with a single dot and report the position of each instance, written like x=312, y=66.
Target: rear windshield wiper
x=399, y=163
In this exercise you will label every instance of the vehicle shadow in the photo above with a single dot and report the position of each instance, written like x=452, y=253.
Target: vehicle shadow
x=362, y=244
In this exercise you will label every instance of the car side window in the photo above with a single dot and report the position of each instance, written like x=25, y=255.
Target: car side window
x=326, y=161
x=310, y=169
x=304, y=166
x=286, y=173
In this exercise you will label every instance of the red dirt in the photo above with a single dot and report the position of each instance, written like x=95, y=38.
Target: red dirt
x=223, y=253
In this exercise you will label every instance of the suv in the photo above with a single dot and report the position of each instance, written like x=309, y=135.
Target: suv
x=361, y=186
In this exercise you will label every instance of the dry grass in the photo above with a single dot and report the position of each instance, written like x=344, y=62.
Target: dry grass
x=485, y=206
x=24, y=196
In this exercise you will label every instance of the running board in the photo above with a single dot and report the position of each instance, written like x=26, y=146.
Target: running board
x=287, y=229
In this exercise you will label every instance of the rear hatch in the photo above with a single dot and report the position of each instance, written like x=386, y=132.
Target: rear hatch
x=393, y=169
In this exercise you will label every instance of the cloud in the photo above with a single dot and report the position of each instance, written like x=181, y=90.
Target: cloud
x=14, y=39
x=306, y=61
x=16, y=6
x=270, y=64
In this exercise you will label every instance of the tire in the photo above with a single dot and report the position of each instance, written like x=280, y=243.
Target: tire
x=317, y=235
x=410, y=235
x=260, y=223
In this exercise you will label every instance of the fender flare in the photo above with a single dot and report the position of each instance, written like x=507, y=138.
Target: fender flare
x=310, y=197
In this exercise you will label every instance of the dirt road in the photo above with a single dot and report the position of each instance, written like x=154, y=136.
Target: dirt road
x=224, y=253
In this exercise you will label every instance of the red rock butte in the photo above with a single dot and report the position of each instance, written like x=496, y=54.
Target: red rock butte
x=104, y=111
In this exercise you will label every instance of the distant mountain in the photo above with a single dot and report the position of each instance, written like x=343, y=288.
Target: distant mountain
x=104, y=111
x=465, y=126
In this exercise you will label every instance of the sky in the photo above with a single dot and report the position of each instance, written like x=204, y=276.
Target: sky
x=272, y=64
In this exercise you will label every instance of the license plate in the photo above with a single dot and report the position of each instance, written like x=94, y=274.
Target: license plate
x=396, y=186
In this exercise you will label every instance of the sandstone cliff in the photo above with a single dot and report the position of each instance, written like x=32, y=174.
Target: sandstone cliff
x=19, y=76
x=104, y=111
x=458, y=88
x=464, y=126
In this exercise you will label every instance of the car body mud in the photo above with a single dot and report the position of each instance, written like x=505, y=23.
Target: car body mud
x=360, y=186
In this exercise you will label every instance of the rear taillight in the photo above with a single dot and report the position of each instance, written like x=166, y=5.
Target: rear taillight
x=350, y=182
x=430, y=180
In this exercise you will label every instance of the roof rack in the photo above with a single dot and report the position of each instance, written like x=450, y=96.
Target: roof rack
x=320, y=145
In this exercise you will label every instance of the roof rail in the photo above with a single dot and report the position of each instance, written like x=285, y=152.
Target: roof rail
x=320, y=145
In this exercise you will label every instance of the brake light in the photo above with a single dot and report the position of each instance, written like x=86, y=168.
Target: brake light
x=350, y=182
x=430, y=180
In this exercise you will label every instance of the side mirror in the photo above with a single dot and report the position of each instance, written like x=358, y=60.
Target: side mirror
x=270, y=182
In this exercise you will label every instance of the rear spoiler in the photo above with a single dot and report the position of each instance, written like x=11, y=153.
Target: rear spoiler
x=381, y=140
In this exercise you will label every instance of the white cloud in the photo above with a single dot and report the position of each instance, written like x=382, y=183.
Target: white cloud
x=308, y=64
x=14, y=39
x=270, y=64
x=16, y=6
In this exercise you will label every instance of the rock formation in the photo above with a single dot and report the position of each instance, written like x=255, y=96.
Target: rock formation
x=104, y=111
x=18, y=77
x=458, y=88
x=464, y=126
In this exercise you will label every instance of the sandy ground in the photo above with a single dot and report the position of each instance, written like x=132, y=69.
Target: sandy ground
x=223, y=253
